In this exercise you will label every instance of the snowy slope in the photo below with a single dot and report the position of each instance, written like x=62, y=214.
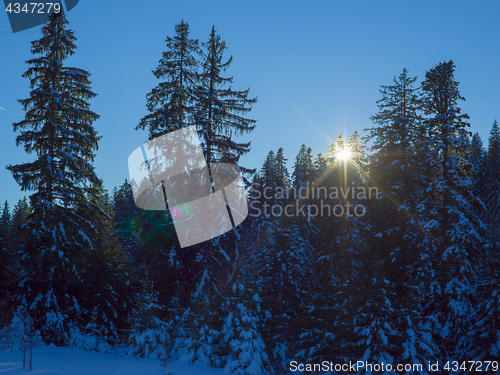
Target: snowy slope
x=71, y=361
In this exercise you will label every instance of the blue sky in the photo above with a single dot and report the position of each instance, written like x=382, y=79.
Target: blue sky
x=315, y=66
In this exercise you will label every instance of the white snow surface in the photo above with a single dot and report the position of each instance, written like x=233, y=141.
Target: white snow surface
x=72, y=361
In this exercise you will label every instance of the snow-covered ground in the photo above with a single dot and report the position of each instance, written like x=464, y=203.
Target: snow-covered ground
x=71, y=361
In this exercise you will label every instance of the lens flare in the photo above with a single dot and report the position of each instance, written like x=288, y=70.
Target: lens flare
x=344, y=154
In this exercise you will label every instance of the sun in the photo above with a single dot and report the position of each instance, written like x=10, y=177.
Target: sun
x=344, y=154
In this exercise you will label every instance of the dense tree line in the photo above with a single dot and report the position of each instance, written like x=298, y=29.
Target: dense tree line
x=388, y=254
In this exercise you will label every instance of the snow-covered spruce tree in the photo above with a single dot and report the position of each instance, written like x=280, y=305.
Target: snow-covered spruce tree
x=303, y=170
x=6, y=224
x=20, y=215
x=170, y=103
x=454, y=234
x=261, y=197
x=170, y=106
x=282, y=254
x=347, y=252
x=392, y=289
x=246, y=351
x=219, y=116
x=196, y=333
x=259, y=239
x=220, y=109
x=109, y=276
x=327, y=331
x=396, y=138
x=126, y=216
x=303, y=179
x=259, y=242
x=268, y=173
x=482, y=342
x=320, y=167
x=282, y=268
x=477, y=157
x=318, y=338
x=14, y=247
x=6, y=258
x=483, y=339
x=6, y=266
x=303, y=228
x=282, y=175
x=255, y=199
x=58, y=129
x=349, y=223
x=491, y=179
x=196, y=317
x=160, y=260
x=477, y=152
x=267, y=190
x=215, y=111
x=210, y=265
x=149, y=333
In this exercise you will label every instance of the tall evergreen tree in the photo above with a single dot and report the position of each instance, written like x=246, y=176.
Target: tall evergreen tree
x=335, y=253
x=395, y=226
x=220, y=110
x=170, y=103
x=449, y=260
x=6, y=225
x=303, y=180
x=397, y=138
x=58, y=128
x=483, y=339
x=171, y=107
x=491, y=189
x=398, y=122
x=283, y=261
x=482, y=342
x=282, y=176
x=303, y=169
x=268, y=173
x=126, y=218
x=109, y=277
x=319, y=340
x=199, y=99
x=6, y=258
x=477, y=158
x=5, y=220
x=320, y=167
x=17, y=234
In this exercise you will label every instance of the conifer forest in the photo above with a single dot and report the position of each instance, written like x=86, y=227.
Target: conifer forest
x=384, y=249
